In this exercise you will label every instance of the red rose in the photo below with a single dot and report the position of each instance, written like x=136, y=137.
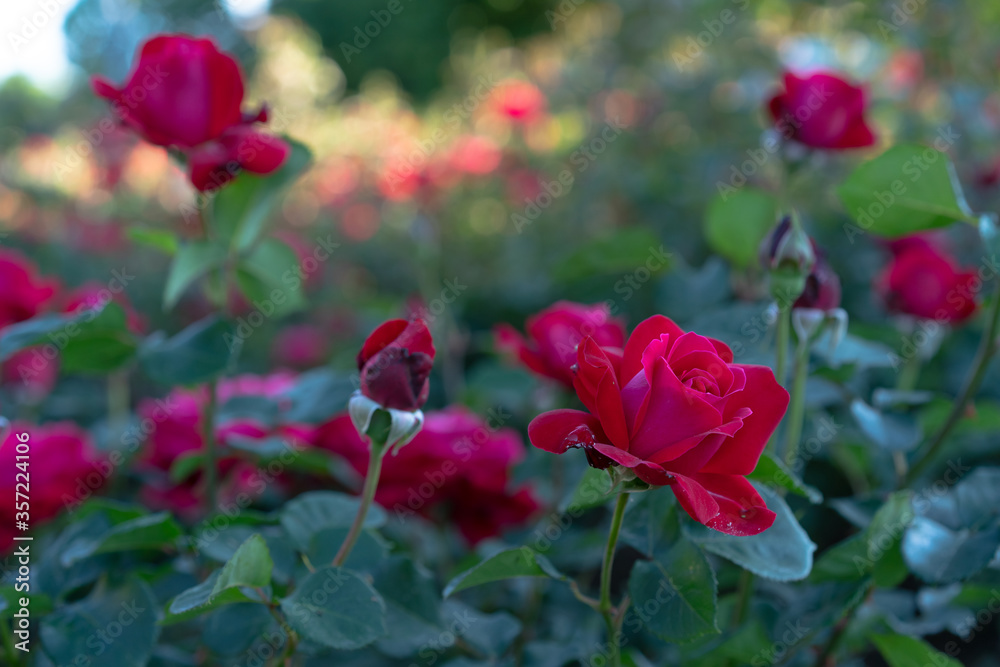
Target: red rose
x=822, y=111
x=395, y=364
x=24, y=293
x=922, y=280
x=457, y=467
x=675, y=409
x=553, y=335
x=63, y=465
x=185, y=93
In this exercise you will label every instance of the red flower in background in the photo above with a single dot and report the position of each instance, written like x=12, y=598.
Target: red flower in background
x=520, y=101
x=675, y=409
x=553, y=336
x=23, y=293
x=457, y=467
x=185, y=93
x=822, y=111
x=177, y=431
x=300, y=346
x=395, y=364
x=65, y=470
x=923, y=280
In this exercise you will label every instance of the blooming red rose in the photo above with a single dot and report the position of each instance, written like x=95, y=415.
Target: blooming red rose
x=23, y=293
x=65, y=468
x=176, y=421
x=553, y=335
x=822, y=290
x=456, y=468
x=822, y=111
x=922, y=280
x=395, y=364
x=185, y=93
x=676, y=410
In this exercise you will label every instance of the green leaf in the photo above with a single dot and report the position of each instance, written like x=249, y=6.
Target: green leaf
x=241, y=210
x=99, y=342
x=775, y=473
x=783, y=552
x=310, y=513
x=884, y=536
x=233, y=629
x=907, y=189
x=413, y=607
x=507, y=564
x=192, y=261
x=203, y=598
x=894, y=432
x=199, y=353
x=955, y=534
x=736, y=224
x=336, y=608
x=52, y=329
x=186, y=465
x=677, y=597
x=263, y=278
x=82, y=632
x=159, y=239
x=902, y=651
x=152, y=531
x=624, y=250
x=250, y=566
x=845, y=561
x=591, y=491
x=39, y=604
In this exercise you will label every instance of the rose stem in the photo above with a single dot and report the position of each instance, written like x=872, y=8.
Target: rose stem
x=797, y=408
x=987, y=347
x=377, y=449
x=605, y=603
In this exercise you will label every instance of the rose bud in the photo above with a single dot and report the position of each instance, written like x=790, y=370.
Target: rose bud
x=395, y=364
x=184, y=93
x=821, y=111
x=674, y=409
x=787, y=255
x=819, y=303
x=922, y=280
x=553, y=335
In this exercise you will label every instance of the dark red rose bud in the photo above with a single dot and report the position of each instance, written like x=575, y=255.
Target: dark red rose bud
x=822, y=290
x=395, y=364
x=821, y=111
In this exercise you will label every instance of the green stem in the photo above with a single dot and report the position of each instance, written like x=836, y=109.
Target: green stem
x=909, y=373
x=745, y=594
x=377, y=449
x=607, y=611
x=987, y=348
x=784, y=336
x=840, y=629
x=797, y=407
x=118, y=401
x=210, y=465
